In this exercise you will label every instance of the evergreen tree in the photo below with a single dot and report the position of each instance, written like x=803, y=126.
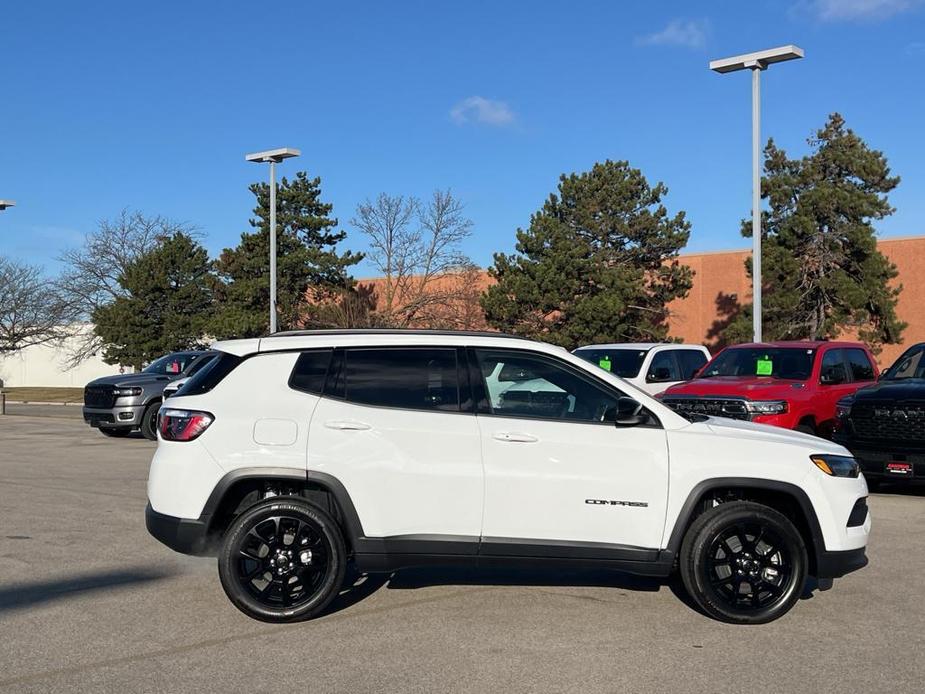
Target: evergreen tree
x=309, y=269
x=166, y=304
x=598, y=263
x=822, y=272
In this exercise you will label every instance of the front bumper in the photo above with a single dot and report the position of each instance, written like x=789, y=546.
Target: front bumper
x=837, y=564
x=874, y=462
x=183, y=535
x=121, y=416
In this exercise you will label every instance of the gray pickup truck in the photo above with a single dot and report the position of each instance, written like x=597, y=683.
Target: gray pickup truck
x=118, y=405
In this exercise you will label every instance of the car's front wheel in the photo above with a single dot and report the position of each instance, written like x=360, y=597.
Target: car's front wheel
x=743, y=563
x=149, y=421
x=282, y=560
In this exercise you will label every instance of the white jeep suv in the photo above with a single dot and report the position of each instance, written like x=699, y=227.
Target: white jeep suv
x=292, y=455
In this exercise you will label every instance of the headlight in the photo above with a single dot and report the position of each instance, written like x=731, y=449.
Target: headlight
x=836, y=465
x=766, y=406
x=842, y=408
x=126, y=392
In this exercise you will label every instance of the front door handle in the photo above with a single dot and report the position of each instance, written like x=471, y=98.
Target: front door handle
x=515, y=437
x=346, y=425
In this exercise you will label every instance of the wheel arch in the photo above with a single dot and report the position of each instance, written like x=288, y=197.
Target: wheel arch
x=240, y=489
x=783, y=496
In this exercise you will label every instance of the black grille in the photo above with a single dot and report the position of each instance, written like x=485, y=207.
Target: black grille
x=888, y=420
x=100, y=397
x=731, y=408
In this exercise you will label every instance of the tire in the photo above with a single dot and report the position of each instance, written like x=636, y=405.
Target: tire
x=806, y=429
x=743, y=563
x=149, y=421
x=269, y=579
x=116, y=433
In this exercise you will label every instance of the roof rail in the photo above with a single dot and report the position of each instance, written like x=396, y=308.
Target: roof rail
x=391, y=331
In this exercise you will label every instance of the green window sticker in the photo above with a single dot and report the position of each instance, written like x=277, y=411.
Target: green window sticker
x=764, y=367
x=604, y=363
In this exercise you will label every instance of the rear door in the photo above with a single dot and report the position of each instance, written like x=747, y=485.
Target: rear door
x=395, y=427
x=834, y=384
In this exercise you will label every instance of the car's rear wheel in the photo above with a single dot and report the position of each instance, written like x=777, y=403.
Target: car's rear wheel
x=282, y=560
x=743, y=563
x=116, y=432
x=149, y=421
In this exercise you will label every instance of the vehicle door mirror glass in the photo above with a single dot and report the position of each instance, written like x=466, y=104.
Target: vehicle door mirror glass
x=628, y=412
x=659, y=374
x=832, y=376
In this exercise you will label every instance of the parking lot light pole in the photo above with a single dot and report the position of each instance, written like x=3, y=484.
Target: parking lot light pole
x=272, y=157
x=756, y=62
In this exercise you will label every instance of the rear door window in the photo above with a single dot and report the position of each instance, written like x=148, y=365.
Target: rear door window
x=859, y=363
x=419, y=378
x=690, y=362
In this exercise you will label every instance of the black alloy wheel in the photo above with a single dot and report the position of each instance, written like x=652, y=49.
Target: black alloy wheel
x=282, y=560
x=743, y=563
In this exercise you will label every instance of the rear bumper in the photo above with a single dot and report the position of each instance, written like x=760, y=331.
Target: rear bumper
x=837, y=564
x=182, y=535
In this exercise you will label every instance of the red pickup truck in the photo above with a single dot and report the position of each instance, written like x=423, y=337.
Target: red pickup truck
x=788, y=384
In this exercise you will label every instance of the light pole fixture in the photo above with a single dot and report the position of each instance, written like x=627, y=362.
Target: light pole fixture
x=272, y=157
x=6, y=203
x=756, y=62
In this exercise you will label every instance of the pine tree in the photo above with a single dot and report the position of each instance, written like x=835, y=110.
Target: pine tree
x=166, y=306
x=822, y=272
x=309, y=269
x=598, y=263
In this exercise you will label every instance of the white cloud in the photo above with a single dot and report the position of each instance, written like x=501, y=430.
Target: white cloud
x=478, y=109
x=689, y=33
x=848, y=10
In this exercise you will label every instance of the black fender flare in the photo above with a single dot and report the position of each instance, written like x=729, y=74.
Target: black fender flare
x=685, y=516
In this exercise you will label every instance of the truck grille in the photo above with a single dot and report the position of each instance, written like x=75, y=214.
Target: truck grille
x=888, y=420
x=99, y=397
x=732, y=408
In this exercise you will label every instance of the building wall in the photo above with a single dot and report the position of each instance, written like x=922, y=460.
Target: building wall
x=721, y=276
x=44, y=366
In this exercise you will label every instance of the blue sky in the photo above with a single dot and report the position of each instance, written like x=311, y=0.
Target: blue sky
x=152, y=106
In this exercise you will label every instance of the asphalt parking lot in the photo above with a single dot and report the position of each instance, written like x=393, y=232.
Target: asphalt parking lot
x=90, y=602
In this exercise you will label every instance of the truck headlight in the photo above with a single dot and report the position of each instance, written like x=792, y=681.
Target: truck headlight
x=126, y=392
x=766, y=406
x=836, y=465
x=843, y=408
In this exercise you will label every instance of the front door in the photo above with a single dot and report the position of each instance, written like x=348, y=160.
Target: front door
x=560, y=476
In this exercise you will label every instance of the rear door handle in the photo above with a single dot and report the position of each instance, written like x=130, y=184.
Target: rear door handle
x=515, y=437
x=346, y=425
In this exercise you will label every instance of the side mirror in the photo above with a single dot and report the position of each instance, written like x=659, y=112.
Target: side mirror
x=832, y=378
x=629, y=413
x=659, y=375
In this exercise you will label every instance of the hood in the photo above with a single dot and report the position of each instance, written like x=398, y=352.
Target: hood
x=752, y=387
x=771, y=434
x=904, y=389
x=139, y=379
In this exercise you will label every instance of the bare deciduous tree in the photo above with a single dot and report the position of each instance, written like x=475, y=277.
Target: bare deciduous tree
x=426, y=279
x=31, y=312
x=90, y=278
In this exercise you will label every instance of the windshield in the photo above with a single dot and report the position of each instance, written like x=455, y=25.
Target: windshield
x=171, y=364
x=624, y=363
x=772, y=362
x=909, y=365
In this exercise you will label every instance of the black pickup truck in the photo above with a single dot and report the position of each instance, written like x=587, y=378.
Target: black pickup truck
x=883, y=425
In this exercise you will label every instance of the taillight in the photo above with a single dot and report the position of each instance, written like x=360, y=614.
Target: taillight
x=182, y=425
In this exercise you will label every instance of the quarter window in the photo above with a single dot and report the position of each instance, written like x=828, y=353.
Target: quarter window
x=859, y=363
x=413, y=379
x=310, y=370
x=522, y=385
